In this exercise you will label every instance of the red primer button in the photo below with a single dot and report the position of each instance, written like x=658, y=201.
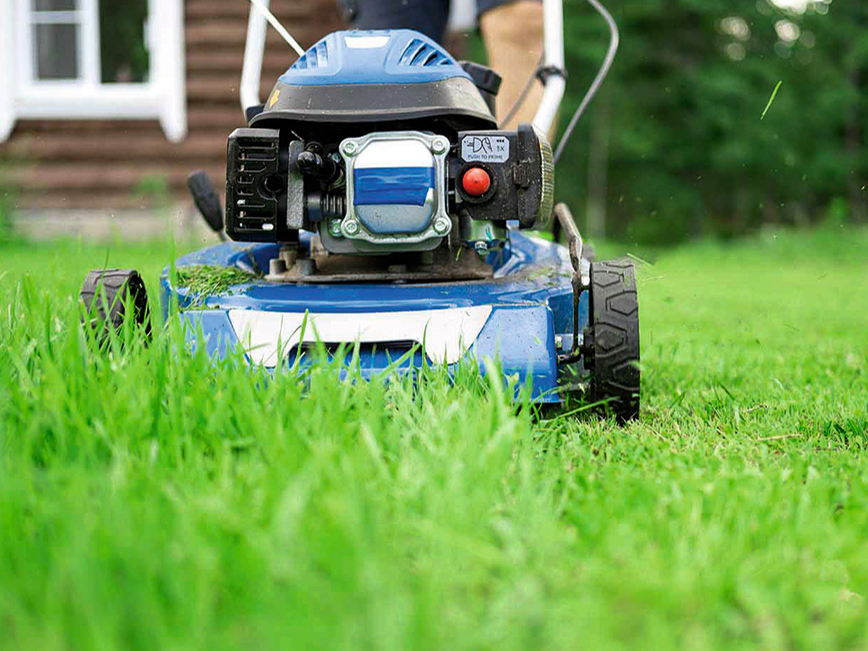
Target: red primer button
x=476, y=181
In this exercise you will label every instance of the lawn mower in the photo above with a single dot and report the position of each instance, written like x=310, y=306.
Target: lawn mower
x=373, y=201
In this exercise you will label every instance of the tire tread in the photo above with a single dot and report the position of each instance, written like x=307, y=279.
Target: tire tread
x=113, y=285
x=612, y=337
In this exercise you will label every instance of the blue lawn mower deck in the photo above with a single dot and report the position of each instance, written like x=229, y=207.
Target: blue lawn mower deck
x=373, y=201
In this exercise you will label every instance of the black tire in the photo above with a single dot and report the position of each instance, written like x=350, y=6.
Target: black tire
x=109, y=288
x=611, y=340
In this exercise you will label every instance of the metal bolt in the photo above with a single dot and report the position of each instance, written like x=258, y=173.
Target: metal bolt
x=439, y=146
x=559, y=342
x=441, y=226
x=350, y=148
x=351, y=227
x=276, y=267
x=335, y=228
x=305, y=267
x=481, y=248
x=335, y=156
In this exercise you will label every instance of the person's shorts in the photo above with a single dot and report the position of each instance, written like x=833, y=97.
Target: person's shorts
x=427, y=16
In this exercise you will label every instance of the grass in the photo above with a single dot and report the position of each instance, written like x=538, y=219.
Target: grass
x=151, y=501
x=206, y=280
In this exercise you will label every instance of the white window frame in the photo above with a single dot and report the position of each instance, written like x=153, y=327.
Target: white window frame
x=162, y=97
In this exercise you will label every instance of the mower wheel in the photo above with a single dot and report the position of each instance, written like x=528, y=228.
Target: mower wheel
x=611, y=340
x=115, y=289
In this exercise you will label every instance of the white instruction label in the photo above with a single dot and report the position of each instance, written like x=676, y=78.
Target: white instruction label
x=485, y=149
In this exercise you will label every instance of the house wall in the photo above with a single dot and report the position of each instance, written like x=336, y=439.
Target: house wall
x=120, y=165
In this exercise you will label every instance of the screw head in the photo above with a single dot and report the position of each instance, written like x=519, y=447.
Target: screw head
x=349, y=147
x=441, y=226
x=439, y=146
x=335, y=228
x=481, y=248
x=351, y=227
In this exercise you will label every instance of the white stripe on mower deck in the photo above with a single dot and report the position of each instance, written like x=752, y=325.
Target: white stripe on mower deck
x=446, y=334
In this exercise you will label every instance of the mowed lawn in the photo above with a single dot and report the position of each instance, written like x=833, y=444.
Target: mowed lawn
x=149, y=500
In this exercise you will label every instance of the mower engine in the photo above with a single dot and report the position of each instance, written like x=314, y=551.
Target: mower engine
x=381, y=143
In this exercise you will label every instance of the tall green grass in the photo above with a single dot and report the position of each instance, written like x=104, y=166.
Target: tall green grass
x=150, y=498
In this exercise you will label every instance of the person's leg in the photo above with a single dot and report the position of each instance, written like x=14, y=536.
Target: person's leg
x=426, y=16
x=513, y=35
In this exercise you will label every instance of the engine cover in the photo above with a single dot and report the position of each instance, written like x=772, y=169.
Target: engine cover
x=376, y=77
x=396, y=189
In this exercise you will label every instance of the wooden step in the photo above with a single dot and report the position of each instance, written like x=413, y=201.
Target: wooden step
x=106, y=200
x=230, y=61
x=90, y=200
x=240, y=11
x=208, y=118
x=200, y=116
x=229, y=76
x=218, y=89
x=209, y=146
x=221, y=94
x=72, y=178
x=222, y=34
x=99, y=128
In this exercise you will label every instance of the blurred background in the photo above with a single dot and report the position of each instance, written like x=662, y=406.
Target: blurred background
x=106, y=106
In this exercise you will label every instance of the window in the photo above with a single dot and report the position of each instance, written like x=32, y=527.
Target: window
x=94, y=59
x=89, y=41
x=124, y=55
x=56, y=39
